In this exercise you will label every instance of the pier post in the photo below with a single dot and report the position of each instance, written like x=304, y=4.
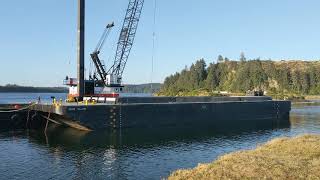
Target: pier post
x=81, y=37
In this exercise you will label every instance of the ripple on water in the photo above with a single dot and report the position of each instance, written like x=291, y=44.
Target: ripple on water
x=31, y=155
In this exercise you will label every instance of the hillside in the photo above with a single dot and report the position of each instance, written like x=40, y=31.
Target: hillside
x=275, y=77
x=30, y=89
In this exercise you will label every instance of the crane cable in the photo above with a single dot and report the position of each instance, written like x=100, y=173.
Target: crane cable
x=153, y=43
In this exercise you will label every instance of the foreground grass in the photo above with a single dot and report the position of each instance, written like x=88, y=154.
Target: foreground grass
x=282, y=158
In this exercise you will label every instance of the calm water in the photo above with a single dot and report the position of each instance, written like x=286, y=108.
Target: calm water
x=44, y=97
x=29, y=97
x=64, y=153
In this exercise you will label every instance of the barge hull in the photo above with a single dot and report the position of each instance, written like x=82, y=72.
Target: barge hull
x=12, y=118
x=174, y=114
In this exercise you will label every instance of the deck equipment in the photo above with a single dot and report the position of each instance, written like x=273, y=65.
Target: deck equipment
x=108, y=82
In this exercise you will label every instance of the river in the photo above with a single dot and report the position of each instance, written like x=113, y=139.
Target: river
x=64, y=153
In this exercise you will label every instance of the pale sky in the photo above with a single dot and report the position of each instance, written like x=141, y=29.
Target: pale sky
x=38, y=38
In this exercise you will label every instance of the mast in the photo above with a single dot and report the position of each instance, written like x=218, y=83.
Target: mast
x=80, y=48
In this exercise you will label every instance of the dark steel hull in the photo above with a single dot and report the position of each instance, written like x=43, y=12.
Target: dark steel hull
x=11, y=118
x=177, y=114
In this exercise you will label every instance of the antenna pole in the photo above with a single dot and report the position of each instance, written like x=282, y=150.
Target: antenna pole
x=80, y=48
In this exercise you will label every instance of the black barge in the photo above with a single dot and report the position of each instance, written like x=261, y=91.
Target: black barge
x=103, y=107
x=159, y=112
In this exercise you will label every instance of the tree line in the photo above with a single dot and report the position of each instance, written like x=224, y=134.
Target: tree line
x=30, y=89
x=298, y=77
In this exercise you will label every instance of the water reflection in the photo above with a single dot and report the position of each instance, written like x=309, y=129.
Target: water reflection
x=64, y=153
x=128, y=153
x=142, y=153
x=305, y=118
x=74, y=139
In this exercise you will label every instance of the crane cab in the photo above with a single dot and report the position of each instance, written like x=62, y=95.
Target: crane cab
x=94, y=90
x=112, y=80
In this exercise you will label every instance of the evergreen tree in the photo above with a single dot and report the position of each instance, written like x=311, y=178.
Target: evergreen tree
x=198, y=74
x=211, y=82
x=287, y=77
x=220, y=59
x=242, y=57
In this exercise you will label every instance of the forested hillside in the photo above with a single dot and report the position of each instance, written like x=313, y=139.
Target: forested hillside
x=290, y=77
x=17, y=88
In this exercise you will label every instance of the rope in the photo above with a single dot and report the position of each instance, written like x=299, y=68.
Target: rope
x=18, y=110
x=47, y=123
x=153, y=42
x=56, y=122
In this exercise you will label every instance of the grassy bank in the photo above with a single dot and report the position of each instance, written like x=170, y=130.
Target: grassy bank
x=314, y=97
x=282, y=158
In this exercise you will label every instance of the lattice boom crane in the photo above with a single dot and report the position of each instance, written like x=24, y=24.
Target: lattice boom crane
x=108, y=82
x=125, y=42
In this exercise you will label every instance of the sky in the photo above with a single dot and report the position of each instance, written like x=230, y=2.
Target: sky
x=38, y=38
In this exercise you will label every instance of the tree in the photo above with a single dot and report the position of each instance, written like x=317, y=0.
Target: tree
x=288, y=77
x=220, y=59
x=305, y=82
x=198, y=74
x=296, y=85
x=314, y=80
x=242, y=57
x=211, y=82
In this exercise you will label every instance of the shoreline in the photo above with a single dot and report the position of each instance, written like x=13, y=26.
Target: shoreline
x=294, y=98
x=281, y=158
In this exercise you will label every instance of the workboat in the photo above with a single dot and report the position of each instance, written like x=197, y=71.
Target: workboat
x=97, y=102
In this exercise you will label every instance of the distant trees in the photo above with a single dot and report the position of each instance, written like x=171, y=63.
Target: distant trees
x=17, y=88
x=220, y=59
x=314, y=76
x=200, y=73
x=242, y=57
x=239, y=76
x=211, y=81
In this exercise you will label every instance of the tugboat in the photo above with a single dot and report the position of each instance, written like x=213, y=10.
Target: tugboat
x=97, y=103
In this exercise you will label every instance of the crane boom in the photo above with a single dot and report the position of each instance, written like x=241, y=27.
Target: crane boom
x=126, y=38
x=95, y=55
x=108, y=83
